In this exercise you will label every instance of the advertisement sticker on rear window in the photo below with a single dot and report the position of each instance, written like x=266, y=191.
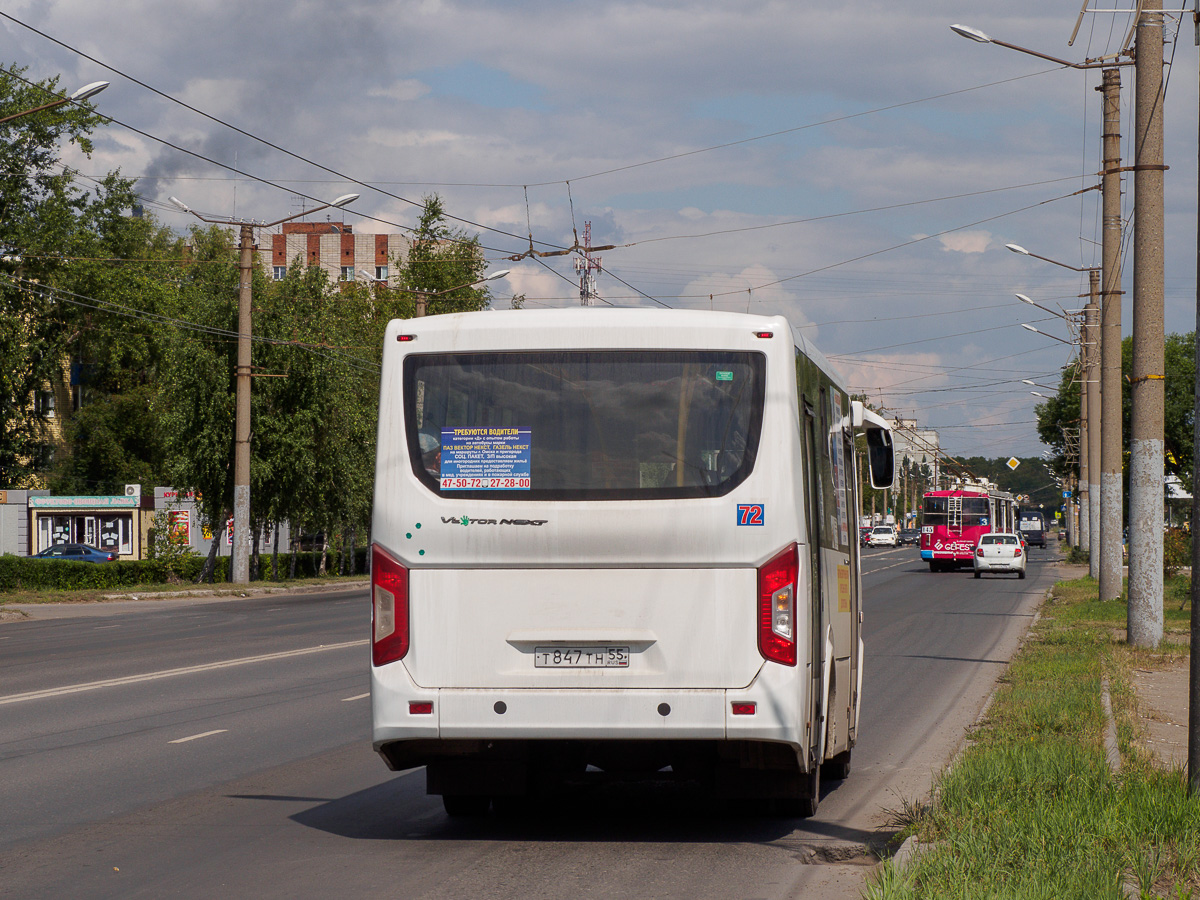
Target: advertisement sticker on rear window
x=496, y=459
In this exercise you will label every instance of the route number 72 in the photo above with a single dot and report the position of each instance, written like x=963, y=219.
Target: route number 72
x=750, y=513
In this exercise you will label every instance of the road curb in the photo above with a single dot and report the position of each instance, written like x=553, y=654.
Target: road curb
x=227, y=593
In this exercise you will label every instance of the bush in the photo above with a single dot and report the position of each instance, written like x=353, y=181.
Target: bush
x=19, y=573
x=1177, y=551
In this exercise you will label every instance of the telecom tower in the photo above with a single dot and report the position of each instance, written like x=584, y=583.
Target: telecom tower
x=587, y=266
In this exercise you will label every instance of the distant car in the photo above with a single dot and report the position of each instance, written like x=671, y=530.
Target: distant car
x=882, y=536
x=909, y=536
x=76, y=553
x=1000, y=552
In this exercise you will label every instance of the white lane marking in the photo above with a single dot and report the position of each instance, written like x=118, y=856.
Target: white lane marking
x=170, y=673
x=198, y=736
x=356, y=697
x=98, y=627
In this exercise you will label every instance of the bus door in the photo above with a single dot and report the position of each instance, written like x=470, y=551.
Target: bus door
x=814, y=517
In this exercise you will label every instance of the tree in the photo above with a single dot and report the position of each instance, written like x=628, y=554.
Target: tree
x=123, y=276
x=442, y=258
x=43, y=210
x=197, y=384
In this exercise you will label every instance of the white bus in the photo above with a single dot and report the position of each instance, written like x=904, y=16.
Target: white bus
x=617, y=540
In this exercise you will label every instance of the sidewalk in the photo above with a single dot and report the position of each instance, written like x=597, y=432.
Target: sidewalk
x=1162, y=697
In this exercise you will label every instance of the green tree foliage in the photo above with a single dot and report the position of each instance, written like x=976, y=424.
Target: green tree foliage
x=197, y=381
x=444, y=259
x=44, y=214
x=124, y=277
x=1180, y=372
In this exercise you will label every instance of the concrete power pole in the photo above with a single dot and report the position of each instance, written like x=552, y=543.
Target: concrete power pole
x=1091, y=374
x=240, y=573
x=1145, y=615
x=1111, y=416
x=1193, y=760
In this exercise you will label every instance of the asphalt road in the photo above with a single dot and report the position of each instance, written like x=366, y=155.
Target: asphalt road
x=186, y=748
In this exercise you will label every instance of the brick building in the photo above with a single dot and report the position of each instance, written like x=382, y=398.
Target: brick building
x=334, y=247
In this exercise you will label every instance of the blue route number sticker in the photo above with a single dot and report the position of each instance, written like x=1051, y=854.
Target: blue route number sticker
x=750, y=513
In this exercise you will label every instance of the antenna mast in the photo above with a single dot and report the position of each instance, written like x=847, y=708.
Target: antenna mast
x=587, y=265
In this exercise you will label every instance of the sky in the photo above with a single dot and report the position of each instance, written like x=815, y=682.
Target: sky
x=857, y=169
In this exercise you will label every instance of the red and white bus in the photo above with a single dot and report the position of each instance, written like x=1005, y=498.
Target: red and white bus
x=953, y=521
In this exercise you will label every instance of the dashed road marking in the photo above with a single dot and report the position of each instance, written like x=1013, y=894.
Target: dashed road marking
x=356, y=697
x=196, y=737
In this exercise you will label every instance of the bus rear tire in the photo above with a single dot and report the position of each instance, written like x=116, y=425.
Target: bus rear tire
x=466, y=805
x=836, y=768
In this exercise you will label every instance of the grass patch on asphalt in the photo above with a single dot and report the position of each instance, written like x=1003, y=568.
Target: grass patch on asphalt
x=1031, y=809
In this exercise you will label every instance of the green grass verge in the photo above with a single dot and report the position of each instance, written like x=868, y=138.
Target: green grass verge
x=1030, y=810
x=101, y=595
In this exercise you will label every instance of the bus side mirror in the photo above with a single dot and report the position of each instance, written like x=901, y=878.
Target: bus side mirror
x=881, y=458
x=881, y=454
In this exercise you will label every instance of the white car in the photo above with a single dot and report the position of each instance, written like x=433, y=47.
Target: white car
x=882, y=536
x=1000, y=552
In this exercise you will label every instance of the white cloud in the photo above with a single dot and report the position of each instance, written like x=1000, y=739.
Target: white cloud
x=967, y=241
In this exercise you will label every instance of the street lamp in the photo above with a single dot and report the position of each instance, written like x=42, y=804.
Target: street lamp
x=974, y=34
x=240, y=573
x=88, y=90
x=423, y=296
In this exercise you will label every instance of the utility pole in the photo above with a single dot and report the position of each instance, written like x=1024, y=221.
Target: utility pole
x=1193, y=759
x=241, y=441
x=1145, y=614
x=1082, y=496
x=1111, y=424
x=240, y=564
x=1093, y=417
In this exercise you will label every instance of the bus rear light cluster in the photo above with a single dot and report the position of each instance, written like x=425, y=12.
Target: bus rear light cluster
x=420, y=707
x=743, y=707
x=777, y=607
x=389, y=608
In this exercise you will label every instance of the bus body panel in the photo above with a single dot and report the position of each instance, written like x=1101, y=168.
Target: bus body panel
x=684, y=627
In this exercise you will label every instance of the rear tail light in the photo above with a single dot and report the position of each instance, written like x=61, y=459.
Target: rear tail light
x=1017, y=552
x=389, y=608
x=979, y=551
x=743, y=707
x=777, y=607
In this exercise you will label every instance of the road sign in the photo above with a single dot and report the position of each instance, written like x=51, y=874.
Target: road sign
x=1013, y=462
x=1066, y=495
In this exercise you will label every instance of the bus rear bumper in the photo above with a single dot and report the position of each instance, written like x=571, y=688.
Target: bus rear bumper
x=610, y=714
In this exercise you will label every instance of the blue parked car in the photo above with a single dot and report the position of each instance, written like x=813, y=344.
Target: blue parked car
x=76, y=553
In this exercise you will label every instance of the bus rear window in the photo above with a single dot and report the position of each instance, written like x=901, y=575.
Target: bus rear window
x=595, y=425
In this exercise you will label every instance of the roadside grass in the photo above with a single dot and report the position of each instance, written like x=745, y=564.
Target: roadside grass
x=102, y=595
x=1031, y=809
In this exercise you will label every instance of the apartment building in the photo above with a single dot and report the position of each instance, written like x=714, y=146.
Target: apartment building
x=334, y=247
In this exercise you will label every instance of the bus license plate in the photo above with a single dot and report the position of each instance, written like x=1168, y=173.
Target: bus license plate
x=580, y=657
